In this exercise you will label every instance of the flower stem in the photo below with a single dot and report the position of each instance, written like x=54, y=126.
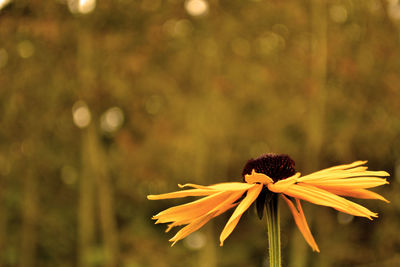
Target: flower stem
x=274, y=236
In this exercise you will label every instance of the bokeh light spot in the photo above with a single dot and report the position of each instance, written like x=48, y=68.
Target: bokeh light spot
x=338, y=13
x=81, y=114
x=81, y=6
x=178, y=28
x=3, y=3
x=393, y=9
x=269, y=43
x=26, y=49
x=344, y=218
x=195, y=241
x=112, y=119
x=196, y=7
x=183, y=27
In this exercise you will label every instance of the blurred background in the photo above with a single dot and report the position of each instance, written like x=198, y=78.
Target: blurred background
x=105, y=102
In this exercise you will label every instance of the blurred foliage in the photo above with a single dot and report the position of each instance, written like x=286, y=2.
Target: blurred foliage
x=199, y=95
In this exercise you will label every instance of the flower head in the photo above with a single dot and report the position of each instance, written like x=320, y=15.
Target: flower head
x=273, y=174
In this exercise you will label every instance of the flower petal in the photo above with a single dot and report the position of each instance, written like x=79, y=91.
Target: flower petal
x=230, y=186
x=322, y=197
x=343, y=171
x=198, y=222
x=194, y=209
x=193, y=226
x=301, y=222
x=350, y=183
x=356, y=193
x=282, y=185
x=182, y=222
x=256, y=177
x=221, y=208
x=184, y=193
x=233, y=186
x=251, y=196
x=345, y=166
x=194, y=186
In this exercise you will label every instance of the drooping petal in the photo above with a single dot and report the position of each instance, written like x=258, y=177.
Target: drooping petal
x=301, y=222
x=356, y=193
x=193, y=209
x=251, y=196
x=190, y=228
x=183, y=222
x=217, y=209
x=322, y=197
x=197, y=222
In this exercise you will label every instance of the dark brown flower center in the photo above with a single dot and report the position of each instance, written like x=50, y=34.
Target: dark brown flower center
x=276, y=166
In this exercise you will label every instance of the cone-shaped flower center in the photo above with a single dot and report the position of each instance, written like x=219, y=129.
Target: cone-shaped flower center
x=276, y=166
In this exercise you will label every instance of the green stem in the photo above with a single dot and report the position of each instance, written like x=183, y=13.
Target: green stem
x=274, y=236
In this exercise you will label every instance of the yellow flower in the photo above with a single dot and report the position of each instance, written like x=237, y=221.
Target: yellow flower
x=273, y=174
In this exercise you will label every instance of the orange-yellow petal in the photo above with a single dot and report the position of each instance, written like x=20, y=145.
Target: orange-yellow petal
x=322, y=197
x=193, y=209
x=217, y=210
x=301, y=222
x=190, y=228
x=356, y=193
x=345, y=166
x=251, y=196
x=184, y=193
x=282, y=185
x=233, y=186
x=197, y=222
x=350, y=183
x=230, y=186
x=343, y=171
x=256, y=177
x=194, y=186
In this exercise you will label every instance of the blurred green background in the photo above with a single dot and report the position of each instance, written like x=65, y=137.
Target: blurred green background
x=103, y=103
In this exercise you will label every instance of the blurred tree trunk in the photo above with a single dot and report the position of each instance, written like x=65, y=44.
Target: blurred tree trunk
x=95, y=179
x=29, y=220
x=316, y=115
x=104, y=198
x=208, y=254
x=86, y=206
x=319, y=65
x=86, y=216
x=317, y=90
